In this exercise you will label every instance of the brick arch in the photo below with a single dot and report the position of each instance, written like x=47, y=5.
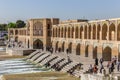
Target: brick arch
x=76, y=32
x=70, y=47
x=118, y=32
x=112, y=32
x=65, y=32
x=37, y=44
x=86, y=50
x=98, y=31
x=63, y=46
x=61, y=32
x=94, y=31
x=85, y=32
x=89, y=29
x=81, y=31
x=68, y=31
x=104, y=31
x=78, y=49
x=95, y=52
x=107, y=53
x=72, y=32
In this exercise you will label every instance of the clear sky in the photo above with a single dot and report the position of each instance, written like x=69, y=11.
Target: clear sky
x=12, y=10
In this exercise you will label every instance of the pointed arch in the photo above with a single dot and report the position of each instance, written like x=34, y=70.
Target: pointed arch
x=81, y=31
x=70, y=47
x=98, y=31
x=86, y=50
x=76, y=32
x=68, y=32
x=104, y=32
x=95, y=52
x=37, y=44
x=107, y=53
x=94, y=32
x=89, y=31
x=78, y=49
x=118, y=32
x=65, y=31
x=63, y=46
x=62, y=32
x=112, y=32
x=85, y=32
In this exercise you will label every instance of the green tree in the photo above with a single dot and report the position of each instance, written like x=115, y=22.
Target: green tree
x=11, y=25
x=20, y=24
x=3, y=27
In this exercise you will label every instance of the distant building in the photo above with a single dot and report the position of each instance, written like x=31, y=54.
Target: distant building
x=89, y=39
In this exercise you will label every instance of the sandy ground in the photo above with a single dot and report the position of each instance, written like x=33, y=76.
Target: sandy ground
x=4, y=56
x=40, y=76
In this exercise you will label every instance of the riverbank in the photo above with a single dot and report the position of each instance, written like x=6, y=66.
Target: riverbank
x=34, y=76
x=40, y=76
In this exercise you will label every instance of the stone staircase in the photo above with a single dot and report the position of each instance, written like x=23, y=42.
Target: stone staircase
x=41, y=58
x=32, y=54
x=56, y=61
x=72, y=65
x=36, y=56
x=49, y=59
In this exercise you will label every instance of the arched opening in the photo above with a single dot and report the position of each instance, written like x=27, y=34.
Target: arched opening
x=63, y=46
x=65, y=31
x=107, y=54
x=58, y=32
x=68, y=32
x=62, y=32
x=95, y=52
x=70, y=47
x=118, y=32
x=104, y=32
x=89, y=31
x=112, y=32
x=94, y=32
x=85, y=32
x=16, y=39
x=37, y=44
x=86, y=50
x=78, y=49
x=28, y=44
x=81, y=31
x=98, y=32
x=53, y=32
x=76, y=32
x=72, y=32
x=56, y=46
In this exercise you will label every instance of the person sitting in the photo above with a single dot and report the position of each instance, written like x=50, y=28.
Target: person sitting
x=95, y=69
x=90, y=69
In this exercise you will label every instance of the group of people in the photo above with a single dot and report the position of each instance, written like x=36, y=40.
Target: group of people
x=111, y=65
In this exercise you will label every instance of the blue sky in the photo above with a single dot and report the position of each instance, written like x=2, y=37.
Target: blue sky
x=12, y=10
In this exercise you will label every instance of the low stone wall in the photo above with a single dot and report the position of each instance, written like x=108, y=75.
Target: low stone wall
x=19, y=52
x=94, y=77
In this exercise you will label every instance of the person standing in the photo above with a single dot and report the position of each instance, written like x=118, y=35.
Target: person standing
x=101, y=60
x=118, y=66
x=96, y=61
x=101, y=68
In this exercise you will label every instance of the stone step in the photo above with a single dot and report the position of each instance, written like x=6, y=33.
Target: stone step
x=41, y=58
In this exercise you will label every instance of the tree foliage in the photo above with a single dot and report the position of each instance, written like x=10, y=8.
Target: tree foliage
x=20, y=24
x=11, y=25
